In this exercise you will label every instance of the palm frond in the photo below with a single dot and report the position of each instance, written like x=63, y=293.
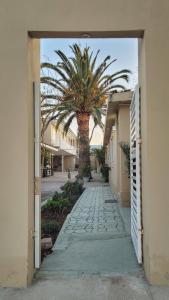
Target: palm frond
x=61, y=117
x=68, y=123
x=81, y=86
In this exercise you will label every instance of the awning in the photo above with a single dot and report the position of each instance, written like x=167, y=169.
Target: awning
x=59, y=152
x=115, y=100
x=62, y=152
x=52, y=149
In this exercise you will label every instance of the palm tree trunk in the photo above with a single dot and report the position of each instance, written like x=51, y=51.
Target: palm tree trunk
x=84, y=147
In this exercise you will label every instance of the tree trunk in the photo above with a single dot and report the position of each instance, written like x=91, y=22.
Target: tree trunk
x=84, y=147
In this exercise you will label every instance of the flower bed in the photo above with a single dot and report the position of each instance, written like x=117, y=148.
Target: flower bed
x=55, y=211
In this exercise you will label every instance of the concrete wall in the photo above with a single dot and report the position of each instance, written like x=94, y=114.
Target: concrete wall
x=94, y=163
x=17, y=173
x=112, y=18
x=69, y=163
x=112, y=162
x=118, y=174
x=123, y=136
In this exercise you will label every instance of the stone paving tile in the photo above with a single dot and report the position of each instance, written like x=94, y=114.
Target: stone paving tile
x=92, y=215
x=93, y=240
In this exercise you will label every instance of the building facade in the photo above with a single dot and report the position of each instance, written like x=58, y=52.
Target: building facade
x=65, y=156
x=117, y=132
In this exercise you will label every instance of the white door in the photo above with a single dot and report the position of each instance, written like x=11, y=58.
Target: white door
x=135, y=176
x=37, y=164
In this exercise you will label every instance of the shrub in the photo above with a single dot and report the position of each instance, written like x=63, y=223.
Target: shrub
x=125, y=146
x=63, y=205
x=58, y=206
x=72, y=190
x=86, y=171
x=105, y=172
x=49, y=227
x=100, y=155
x=63, y=202
x=56, y=196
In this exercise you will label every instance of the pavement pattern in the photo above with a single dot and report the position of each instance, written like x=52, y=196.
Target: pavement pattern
x=93, y=257
x=94, y=239
x=95, y=213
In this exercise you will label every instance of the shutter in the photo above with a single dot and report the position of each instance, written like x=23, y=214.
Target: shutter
x=135, y=176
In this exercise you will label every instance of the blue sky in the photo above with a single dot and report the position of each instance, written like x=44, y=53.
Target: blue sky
x=124, y=50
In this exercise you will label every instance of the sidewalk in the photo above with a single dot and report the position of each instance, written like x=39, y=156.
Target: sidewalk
x=94, y=240
x=93, y=257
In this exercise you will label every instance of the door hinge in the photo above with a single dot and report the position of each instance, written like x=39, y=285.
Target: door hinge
x=141, y=231
x=139, y=141
x=33, y=233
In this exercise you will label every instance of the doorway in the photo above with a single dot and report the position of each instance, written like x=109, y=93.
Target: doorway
x=110, y=197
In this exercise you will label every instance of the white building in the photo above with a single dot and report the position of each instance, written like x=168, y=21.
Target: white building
x=63, y=148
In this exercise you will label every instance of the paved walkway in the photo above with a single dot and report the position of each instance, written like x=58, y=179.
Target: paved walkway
x=94, y=239
x=93, y=257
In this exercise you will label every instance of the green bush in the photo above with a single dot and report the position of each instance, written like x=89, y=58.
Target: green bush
x=99, y=154
x=125, y=146
x=105, y=172
x=48, y=227
x=63, y=202
x=72, y=190
x=58, y=206
x=86, y=171
x=56, y=196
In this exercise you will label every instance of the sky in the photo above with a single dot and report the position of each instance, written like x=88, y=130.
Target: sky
x=124, y=50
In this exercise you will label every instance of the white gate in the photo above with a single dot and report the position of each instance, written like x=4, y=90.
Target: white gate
x=135, y=176
x=37, y=164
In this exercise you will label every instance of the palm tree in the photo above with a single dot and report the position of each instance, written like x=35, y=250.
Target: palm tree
x=100, y=155
x=81, y=90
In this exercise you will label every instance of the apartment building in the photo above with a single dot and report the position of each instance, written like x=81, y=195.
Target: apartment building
x=63, y=148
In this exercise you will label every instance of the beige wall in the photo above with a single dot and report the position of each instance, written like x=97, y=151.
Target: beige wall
x=123, y=136
x=118, y=174
x=16, y=190
x=112, y=161
x=69, y=163
x=94, y=163
x=17, y=173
